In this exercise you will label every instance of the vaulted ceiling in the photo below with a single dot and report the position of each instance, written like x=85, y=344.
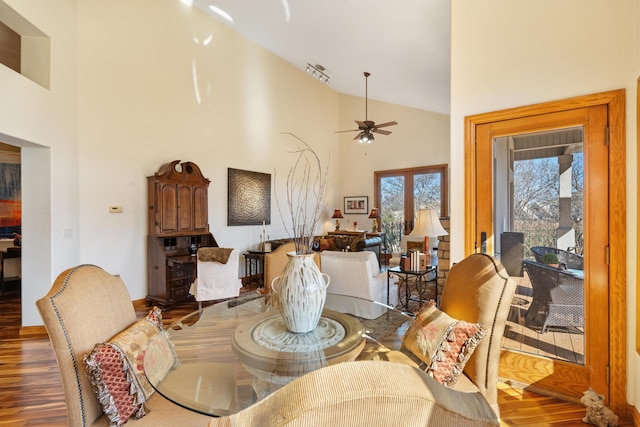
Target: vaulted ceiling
x=404, y=44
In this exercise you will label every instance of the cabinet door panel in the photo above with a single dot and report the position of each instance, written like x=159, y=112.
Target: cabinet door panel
x=200, y=209
x=168, y=202
x=185, y=208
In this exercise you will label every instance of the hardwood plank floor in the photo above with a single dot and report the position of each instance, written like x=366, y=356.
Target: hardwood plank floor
x=31, y=390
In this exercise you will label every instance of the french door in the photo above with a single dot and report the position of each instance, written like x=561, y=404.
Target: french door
x=544, y=373
x=400, y=193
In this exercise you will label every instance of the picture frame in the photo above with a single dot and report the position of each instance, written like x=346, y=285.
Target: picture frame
x=356, y=205
x=249, y=198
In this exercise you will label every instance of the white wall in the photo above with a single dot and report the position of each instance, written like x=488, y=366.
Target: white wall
x=154, y=91
x=420, y=138
x=44, y=122
x=137, y=84
x=508, y=54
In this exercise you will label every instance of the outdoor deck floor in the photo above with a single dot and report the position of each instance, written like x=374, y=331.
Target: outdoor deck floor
x=565, y=344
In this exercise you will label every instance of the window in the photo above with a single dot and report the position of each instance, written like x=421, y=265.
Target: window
x=400, y=193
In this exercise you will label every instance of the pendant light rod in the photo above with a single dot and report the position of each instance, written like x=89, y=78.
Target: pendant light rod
x=366, y=95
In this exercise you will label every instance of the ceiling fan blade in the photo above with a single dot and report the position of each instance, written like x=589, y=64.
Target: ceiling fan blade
x=382, y=132
x=386, y=124
x=350, y=130
x=358, y=136
x=362, y=125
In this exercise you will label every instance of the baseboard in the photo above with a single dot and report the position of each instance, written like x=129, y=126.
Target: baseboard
x=32, y=331
x=633, y=413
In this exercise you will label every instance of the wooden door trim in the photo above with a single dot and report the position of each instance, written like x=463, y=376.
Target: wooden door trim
x=615, y=103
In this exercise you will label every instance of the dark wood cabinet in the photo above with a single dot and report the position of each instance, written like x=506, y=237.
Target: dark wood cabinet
x=178, y=224
x=178, y=200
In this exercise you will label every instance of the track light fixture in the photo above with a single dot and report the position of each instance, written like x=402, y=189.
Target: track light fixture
x=317, y=71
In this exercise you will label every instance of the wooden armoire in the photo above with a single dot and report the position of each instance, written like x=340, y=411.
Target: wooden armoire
x=178, y=225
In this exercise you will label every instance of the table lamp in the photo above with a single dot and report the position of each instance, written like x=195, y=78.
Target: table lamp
x=428, y=225
x=374, y=220
x=336, y=215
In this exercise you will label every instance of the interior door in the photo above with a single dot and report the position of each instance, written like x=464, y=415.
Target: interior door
x=569, y=379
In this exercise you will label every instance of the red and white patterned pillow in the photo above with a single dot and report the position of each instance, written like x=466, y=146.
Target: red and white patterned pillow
x=444, y=344
x=115, y=369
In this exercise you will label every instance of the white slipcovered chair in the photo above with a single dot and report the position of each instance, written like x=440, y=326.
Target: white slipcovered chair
x=358, y=274
x=217, y=275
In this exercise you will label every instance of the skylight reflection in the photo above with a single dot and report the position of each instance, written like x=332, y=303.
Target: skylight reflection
x=221, y=13
x=287, y=10
x=194, y=76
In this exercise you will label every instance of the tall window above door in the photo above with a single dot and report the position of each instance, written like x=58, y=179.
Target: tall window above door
x=399, y=194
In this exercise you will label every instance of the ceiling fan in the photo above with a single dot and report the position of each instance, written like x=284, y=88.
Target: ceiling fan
x=367, y=128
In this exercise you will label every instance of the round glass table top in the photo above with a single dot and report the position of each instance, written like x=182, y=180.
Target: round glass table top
x=233, y=353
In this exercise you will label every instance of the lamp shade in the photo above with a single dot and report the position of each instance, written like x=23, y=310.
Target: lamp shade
x=428, y=224
x=374, y=213
x=337, y=214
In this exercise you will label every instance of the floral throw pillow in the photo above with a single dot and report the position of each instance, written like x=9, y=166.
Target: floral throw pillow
x=444, y=344
x=115, y=369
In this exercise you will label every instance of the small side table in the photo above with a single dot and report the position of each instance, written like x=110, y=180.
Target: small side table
x=254, y=268
x=422, y=282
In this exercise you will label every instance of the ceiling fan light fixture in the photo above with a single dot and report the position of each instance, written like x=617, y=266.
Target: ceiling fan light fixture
x=366, y=127
x=366, y=137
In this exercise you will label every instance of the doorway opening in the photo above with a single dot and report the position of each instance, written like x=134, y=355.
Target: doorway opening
x=538, y=209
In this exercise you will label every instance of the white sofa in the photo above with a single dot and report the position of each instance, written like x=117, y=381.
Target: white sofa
x=357, y=274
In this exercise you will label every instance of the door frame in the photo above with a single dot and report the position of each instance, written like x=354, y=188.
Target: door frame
x=615, y=103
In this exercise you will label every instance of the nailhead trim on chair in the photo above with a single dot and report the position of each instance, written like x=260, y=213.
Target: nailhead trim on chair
x=64, y=330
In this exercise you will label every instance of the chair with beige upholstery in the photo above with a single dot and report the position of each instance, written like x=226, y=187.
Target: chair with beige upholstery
x=479, y=290
x=368, y=394
x=86, y=305
x=275, y=261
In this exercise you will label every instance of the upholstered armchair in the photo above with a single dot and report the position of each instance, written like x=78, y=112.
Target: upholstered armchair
x=358, y=274
x=275, y=261
x=477, y=291
x=217, y=275
x=365, y=393
x=85, y=306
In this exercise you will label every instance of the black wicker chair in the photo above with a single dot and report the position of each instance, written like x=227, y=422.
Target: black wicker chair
x=571, y=260
x=558, y=297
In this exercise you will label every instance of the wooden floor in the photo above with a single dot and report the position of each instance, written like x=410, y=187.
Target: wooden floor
x=31, y=391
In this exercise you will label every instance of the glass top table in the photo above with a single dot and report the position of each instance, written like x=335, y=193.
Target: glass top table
x=228, y=356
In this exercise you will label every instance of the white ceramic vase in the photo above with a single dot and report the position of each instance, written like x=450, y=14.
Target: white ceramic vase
x=301, y=292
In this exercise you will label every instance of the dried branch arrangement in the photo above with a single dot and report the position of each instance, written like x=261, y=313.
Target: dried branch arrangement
x=306, y=191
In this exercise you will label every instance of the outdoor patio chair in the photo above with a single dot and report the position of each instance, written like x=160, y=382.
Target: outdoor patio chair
x=571, y=260
x=558, y=297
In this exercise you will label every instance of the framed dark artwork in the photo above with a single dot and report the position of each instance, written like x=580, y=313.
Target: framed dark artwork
x=10, y=194
x=356, y=205
x=249, y=198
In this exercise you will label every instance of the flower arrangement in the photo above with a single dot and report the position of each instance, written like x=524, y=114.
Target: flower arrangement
x=306, y=192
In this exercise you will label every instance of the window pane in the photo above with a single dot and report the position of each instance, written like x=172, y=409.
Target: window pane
x=392, y=210
x=426, y=192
